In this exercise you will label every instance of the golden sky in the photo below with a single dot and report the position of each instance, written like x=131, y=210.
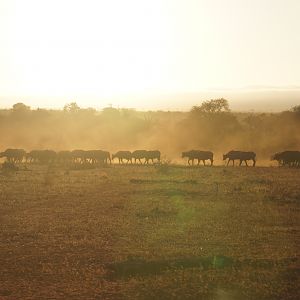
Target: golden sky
x=57, y=50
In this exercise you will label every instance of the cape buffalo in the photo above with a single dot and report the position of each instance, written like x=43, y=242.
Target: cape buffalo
x=33, y=156
x=79, y=156
x=151, y=155
x=290, y=158
x=64, y=157
x=45, y=156
x=199, y=156
x=105, y=156
x=139, y=155
x=241, y=156
x=14, y=155
x=98, y=156
x=120, y=155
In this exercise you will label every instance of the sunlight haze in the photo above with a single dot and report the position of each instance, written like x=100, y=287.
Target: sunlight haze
x=120, y=52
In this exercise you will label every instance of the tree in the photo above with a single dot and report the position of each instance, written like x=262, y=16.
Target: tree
x=296, y=109
x=71, y=107
x=212, y=106
x=20, y=107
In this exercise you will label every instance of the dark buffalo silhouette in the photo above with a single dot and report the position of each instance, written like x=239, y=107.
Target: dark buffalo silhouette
x=91, y=156
x=289, y=158
x=103, y=156
x=98, y=156
x=37, y=156
x=64, y=157
x=41, y=156
x=152, y=155
x=139, y=155
x=121, y=155
x=32, y=156
x=79, y=156
x=199, y=156
x=241, y=156
x=14, y=155
x=279, y=157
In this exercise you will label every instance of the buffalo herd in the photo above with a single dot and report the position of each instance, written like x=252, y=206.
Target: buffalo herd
x=80, y=156
x=285, y=158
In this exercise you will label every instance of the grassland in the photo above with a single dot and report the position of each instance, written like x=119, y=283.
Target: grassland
x=136, y=232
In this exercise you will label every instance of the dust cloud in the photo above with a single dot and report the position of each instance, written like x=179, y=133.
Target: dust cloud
x=211, y=126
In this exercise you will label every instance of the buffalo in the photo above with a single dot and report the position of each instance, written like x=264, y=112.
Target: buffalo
x=199, y=156
x=151, y=155
x=289, y=158
x=64, y=157
x=104, y=156
x=41, y=156
x=90, y=156
x=121, y=155
x=139, y=155
x=34, y=156
x=97, y=156
x=241, y=156
x=79, y=156
x=14, y=155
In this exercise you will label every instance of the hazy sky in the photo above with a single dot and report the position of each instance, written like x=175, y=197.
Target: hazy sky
x=90, y=50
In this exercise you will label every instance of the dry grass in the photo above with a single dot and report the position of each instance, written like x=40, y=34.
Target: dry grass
x=64, y=234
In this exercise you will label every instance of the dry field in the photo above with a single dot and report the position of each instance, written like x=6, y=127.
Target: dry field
x=137, y=232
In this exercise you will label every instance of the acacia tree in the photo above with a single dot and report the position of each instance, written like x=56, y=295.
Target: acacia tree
x=20, y=107
x=72, y=107
x=212, y=123
x=212, y=106
x=296, y=109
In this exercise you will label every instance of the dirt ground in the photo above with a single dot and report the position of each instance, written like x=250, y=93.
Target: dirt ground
x=149, y=232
